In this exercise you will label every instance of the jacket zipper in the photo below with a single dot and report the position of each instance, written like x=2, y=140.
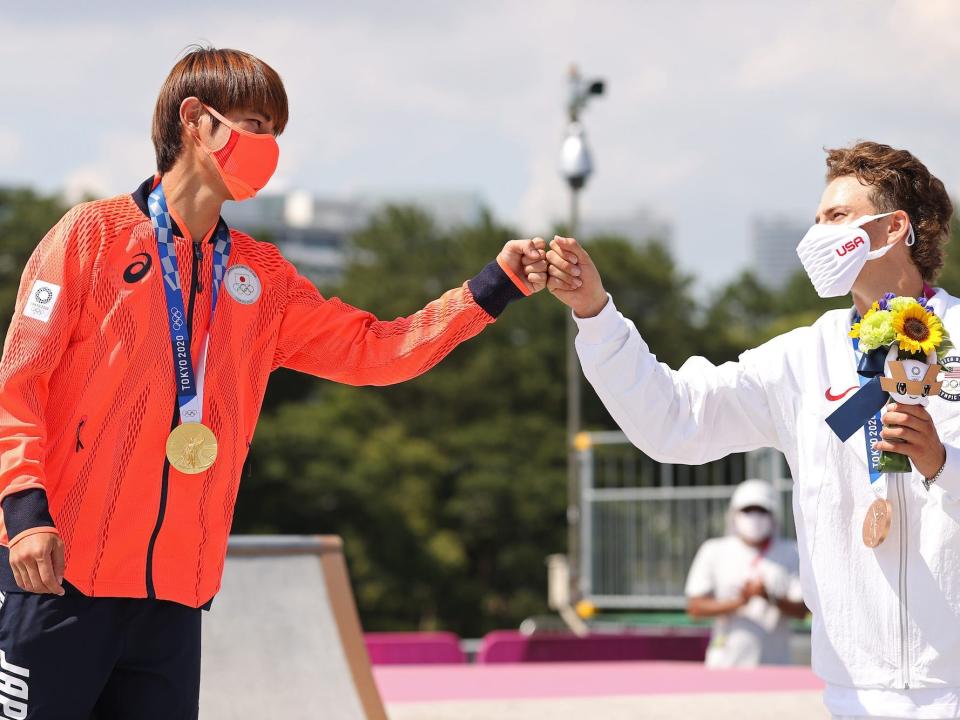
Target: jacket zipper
x=904, y=614
x=195, y=287
x=79, y=446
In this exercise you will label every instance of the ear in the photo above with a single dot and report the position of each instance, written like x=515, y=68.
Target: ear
x=899, y=227
x=191, y=110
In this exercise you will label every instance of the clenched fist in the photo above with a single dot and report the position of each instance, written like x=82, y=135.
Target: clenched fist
x=37, y=563
x=572, y=277
x=523, y=258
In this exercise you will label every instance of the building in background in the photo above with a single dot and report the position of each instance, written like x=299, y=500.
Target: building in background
x=773, y=248
x=313, y=233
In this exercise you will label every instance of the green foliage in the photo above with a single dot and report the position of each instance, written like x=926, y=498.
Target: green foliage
x=450, y=489
x=25, y=217
x=746, y=313
x=950, y=275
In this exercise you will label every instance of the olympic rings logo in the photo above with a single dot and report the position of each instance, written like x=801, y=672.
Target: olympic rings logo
x=43, y=295
x=244, y=288
x=176, y=318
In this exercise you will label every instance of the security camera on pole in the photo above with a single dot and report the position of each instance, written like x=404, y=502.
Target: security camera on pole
x=576, y=165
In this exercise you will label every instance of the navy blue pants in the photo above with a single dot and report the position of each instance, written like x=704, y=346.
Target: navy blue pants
x=81, y=658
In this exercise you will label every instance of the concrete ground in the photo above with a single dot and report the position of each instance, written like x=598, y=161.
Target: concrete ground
x=706, y=706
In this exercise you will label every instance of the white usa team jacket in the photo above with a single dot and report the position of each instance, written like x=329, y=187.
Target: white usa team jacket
x=882, y=618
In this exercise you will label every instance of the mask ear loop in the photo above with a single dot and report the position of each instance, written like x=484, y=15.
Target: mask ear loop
x=912, y=237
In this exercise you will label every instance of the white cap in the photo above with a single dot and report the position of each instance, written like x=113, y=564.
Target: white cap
x=758, y=493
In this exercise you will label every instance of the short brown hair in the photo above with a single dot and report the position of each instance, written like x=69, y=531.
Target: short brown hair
x=226, y=80
x=901, y=182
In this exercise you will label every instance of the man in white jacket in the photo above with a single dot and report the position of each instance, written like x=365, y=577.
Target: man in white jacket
x=747, y=582
x=886, y=619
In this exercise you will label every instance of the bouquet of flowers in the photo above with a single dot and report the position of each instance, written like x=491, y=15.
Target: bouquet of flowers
x=902, y=341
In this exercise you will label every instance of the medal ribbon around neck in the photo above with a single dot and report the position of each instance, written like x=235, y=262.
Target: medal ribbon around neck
x=189, y=383
x=874, y=423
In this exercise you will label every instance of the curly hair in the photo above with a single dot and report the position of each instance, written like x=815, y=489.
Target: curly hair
x=901, y=182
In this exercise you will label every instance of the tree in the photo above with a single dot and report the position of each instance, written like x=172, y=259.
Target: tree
x=25, y=217
x=450, y=489
x=950, y=275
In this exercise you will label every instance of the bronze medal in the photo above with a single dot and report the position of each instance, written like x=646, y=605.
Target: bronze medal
x=876, y=525
x=192, y=448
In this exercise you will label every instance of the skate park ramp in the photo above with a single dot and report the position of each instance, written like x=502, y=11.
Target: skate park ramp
x=283, y=639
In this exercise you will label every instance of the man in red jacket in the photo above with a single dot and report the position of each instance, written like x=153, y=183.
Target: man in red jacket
x=130, y=385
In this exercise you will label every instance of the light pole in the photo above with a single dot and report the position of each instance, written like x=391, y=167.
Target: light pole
x=576, y=165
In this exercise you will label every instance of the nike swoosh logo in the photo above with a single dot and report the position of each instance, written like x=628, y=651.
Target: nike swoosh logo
x=833, y=398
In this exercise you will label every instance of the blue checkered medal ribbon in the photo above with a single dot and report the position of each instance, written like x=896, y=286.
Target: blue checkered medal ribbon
x=189, y=383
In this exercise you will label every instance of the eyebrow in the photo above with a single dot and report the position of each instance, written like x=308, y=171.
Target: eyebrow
x=831, y=209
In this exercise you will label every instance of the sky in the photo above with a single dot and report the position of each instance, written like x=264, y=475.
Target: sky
x=716, y=112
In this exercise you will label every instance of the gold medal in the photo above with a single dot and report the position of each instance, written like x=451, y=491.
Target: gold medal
x=192, y=448
x=876, y=525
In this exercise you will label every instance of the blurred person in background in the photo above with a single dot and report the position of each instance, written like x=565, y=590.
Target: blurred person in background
x=879, y=554
x=131, y=382
x=749, y=582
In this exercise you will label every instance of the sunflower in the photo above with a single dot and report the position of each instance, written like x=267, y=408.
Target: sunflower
x=917, y=330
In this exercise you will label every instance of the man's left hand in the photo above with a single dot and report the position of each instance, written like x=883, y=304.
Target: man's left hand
x=524, y=257
x=913, y=427
x=753, y=588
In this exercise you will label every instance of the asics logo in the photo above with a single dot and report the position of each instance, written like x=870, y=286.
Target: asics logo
x=136, y=270
x=833, y=398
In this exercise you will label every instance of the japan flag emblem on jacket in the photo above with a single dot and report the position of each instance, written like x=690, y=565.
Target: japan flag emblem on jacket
x=243, y=285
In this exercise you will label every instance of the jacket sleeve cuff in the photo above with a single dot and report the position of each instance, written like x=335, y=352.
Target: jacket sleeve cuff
x=25, y=512
x=600, y=328
x=493, y=289
x=949, y=479
x=32, y=531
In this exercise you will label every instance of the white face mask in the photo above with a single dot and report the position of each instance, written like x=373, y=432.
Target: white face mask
x=753, y=527
x=834, y=255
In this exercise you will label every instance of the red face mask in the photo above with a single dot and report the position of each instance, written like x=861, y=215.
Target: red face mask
x=246, y=161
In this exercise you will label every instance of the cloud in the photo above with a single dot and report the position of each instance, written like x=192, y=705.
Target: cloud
x=715, y=111
x=121, y=163
x=11, y=146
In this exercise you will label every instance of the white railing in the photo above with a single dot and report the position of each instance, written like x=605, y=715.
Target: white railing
x=642, y=521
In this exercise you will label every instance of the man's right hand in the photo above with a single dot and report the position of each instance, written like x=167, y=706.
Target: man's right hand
x=38, y=563
x=574, y=279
